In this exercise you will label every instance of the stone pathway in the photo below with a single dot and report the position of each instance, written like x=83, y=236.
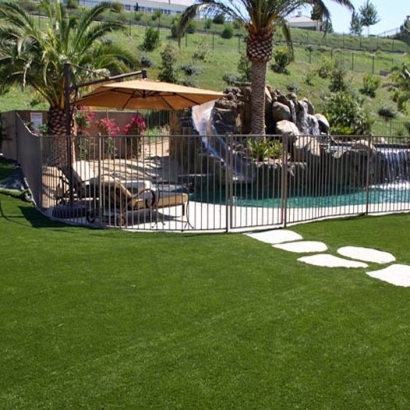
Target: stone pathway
x=284, y=239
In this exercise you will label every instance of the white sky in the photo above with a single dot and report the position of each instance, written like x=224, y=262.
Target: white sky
x=392, y=14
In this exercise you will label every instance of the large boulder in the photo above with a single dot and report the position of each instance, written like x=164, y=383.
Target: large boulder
x=323, y=123
x=281, y=112
x=286, y=127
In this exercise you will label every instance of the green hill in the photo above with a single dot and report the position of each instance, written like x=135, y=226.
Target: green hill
x=208, y=58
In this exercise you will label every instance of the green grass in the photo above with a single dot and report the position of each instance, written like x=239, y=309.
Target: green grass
x=107, y=319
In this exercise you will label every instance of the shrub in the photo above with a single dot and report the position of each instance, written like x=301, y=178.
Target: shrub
x=230, y=78
x=138, y=16
x=168, y=58
x=387, y=113
x=346, y=114
x=174, y=27
x=227, y=32
x=264, y=149
x=190, y=69
x=72, y=4
x=156, y=15
x=219, y=19
x=337, y=79
x=308, y=78
x=117, y=7
x=146, y=61
x=326, y=68
x=282, y=57
x=151, y=39
x=293, y=88
x=370, y=85
x=203, y=52
x=191, y=27
x=207, y=24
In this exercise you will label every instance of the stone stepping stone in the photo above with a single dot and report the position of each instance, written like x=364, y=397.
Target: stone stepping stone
x=366, y=254
x=275, y=236
x=303, y=246
x=331, y=261
x=398, y=275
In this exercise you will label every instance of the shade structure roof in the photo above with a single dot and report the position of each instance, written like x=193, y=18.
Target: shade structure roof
x=147, y=94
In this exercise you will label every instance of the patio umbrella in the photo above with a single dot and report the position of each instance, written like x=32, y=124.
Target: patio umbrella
x=146, y=94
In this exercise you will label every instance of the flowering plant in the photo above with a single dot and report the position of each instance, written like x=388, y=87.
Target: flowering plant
x=83, y=117
x=136, y=126
x=108, y=127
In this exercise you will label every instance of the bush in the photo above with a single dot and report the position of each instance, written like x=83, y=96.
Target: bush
x=190, y=69
x=260, y=150
x=207, y=24
x=230, y=78
x=168, y=58
x=174, y=27
x=326, y=68
x=337, y=79
x=293, y=88
x=191, y=27
x=370, y=85
x=219, y=19
x=151, y=39
x=346, y=114
x=227, y=32
x=138, y=16
x=117, y=7
x=156, y=15
x=203, y=52
x=282, y=57
x=308, y=78
x=387, y=113
x=146, y=61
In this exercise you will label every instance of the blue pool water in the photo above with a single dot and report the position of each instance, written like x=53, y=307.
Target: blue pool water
x=389, y=193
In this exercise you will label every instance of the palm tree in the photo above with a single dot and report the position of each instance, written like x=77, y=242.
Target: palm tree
x=260, y=18
x=34, y=51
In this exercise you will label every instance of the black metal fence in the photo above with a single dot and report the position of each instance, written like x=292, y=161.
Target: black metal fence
x=229, y=183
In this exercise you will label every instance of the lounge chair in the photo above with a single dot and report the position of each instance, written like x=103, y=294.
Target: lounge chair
x=119, y=201
x=170, y=199
x=83, y=182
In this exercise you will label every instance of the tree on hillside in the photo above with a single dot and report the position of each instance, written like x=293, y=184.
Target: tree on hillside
x=356, y=26
x=33, y=52
x=260, y=18
x=368, y=15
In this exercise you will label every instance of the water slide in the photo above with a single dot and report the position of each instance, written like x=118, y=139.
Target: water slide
x=216, y=145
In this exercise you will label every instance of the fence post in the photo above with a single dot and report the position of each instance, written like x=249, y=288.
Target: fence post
x=368, y=174
x=373, y=65
x=284, y=180
x=352, y=61
x=228, y=182
x=213, y=41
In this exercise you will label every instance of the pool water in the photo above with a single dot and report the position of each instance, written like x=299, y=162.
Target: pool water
x=388, y=193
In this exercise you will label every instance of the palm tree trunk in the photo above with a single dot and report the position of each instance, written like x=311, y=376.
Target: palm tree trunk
x=62, y=146
x=258, y=98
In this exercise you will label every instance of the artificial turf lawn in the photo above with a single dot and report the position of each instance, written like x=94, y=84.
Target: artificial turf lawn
x=107, y=319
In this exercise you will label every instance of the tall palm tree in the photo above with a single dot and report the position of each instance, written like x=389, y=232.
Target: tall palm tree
x=260, y=18
x=33, y=52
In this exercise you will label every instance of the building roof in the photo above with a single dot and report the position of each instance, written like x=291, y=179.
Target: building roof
x=300, y=19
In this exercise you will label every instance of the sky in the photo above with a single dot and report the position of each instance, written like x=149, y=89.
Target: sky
x=392, y=14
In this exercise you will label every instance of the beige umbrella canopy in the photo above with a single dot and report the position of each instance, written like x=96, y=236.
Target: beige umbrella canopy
x=146, y=94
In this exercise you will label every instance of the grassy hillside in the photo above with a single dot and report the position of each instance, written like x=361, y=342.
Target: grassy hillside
x=212, y=57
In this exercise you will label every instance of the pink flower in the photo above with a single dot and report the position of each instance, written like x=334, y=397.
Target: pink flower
x=108, y=127
x=136, y=126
